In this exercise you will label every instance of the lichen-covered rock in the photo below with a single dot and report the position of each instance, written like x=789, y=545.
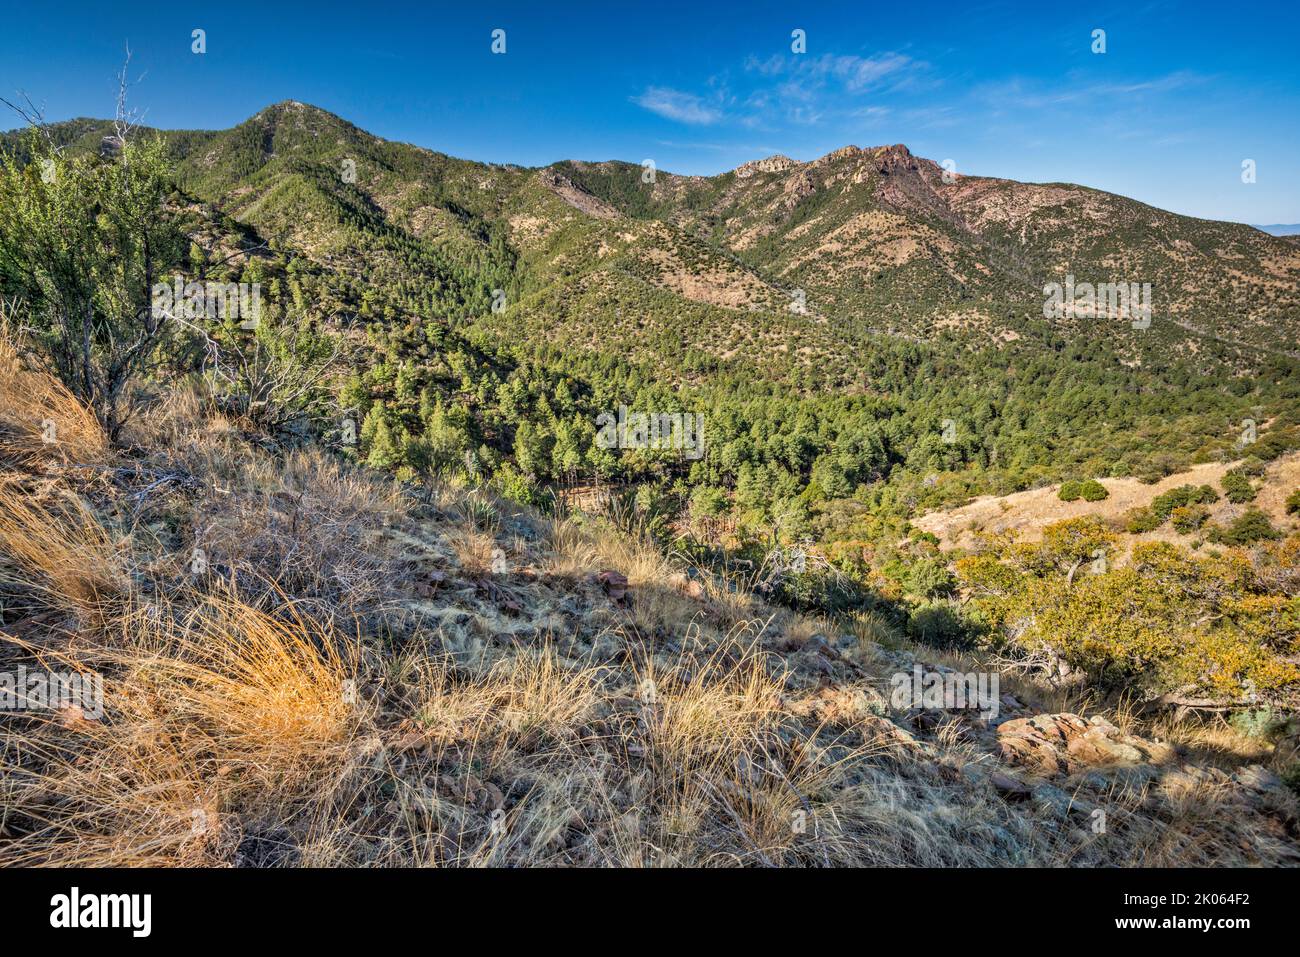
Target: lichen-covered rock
x=1064, y=743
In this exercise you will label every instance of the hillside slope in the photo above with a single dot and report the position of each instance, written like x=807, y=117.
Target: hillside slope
x=873, y=240
x=882, y=233
x=307, y=664
x=1025, y=514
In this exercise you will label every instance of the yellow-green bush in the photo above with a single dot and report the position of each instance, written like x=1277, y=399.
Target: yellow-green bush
x=1165, y=620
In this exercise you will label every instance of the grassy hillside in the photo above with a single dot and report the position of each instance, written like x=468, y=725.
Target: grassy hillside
x=1025, y=514
x=862, y=338
x=306, y=663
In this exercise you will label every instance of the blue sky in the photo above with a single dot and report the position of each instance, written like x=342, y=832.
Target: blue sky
x=1184, y=93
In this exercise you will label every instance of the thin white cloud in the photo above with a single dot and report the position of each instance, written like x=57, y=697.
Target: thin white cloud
x=932, y=117
x=1024, y=95
x=806, y=90
x=677, y=105
x=862, y=73
x=854, y=73
x=793, y=89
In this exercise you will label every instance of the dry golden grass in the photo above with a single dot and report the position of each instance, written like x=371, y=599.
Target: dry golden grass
x=212, y=717
x=536, y=763
x=52, y=544
x=1214, y=741
x=182, y=425
x=638, y=560
x=473, y=549
x=514, y=700
x=573, y=552
x=40, y=420
x=307, y=523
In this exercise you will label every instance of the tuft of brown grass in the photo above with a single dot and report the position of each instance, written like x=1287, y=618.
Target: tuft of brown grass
x=473, y=549
x=40, y=420
x=309, y=524
x=573, y=553
x=215, y=720
x=53, y=546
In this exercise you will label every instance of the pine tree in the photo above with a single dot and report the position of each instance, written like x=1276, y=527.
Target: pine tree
x=383, y=450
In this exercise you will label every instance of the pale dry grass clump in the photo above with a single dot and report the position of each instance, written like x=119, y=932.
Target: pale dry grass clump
x=308, y=523
x=874, y=629
x=725, y=787
x=573, y=552
x=581, y=548
x=485, y=534
x=40, y=420
x=189, y=434
x=667, y=598
x=218, y=717
x=1212, y=738
x=473, y=550
x=538, y=763
x=478, y=769
x=216, y=720
x=54, y=548
x=1206, y=824
x=516, y=699
x=278, y=691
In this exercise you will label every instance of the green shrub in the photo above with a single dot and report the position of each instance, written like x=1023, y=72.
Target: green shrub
x=1261, y=723
x=517, y=486
x=929, y=578
x=936, y=623
x=1252, y=467
x=1237, y=487
x=1164, y=504
x=82, y=246
x=1070, y=491
x=1093, y=491
x=709, y=501
x=1293, y=502
x=1188, y=518
x=1166, y=619
x=1141, y=520
x=1252, y=526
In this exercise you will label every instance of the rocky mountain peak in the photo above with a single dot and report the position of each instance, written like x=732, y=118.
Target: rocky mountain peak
x=772, y=164
x=896, y=158
x=844, y=152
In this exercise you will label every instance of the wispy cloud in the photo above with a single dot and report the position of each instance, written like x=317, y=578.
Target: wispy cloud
x=678, y=105
x=846, y=72
x=804, y=90
x=1022, y=94
x=792, y=90
x=931, y=117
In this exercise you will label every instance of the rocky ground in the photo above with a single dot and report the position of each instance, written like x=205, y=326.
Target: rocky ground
x=359, y=673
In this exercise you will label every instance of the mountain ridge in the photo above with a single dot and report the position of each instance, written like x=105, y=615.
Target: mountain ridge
x=874, y=240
